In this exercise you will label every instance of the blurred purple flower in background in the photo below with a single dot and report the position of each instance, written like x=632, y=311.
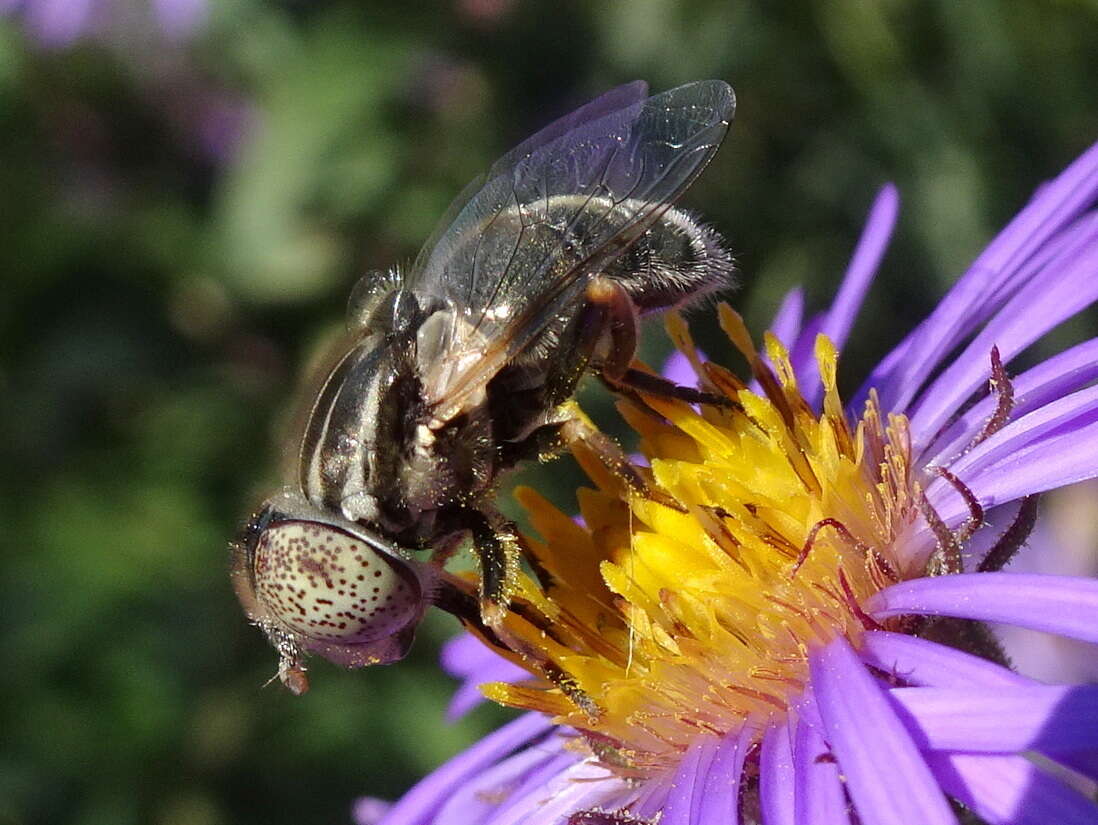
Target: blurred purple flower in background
x=179, y=18
x=146, y=38
x=60, y=23
x=882, y=726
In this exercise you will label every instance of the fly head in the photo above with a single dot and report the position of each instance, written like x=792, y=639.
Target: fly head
x=316, y=583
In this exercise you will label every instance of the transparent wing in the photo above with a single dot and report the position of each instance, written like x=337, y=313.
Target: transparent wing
x=552, y=212
x=612, y=101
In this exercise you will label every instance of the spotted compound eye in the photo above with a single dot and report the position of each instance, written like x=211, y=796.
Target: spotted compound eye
x=331, y=586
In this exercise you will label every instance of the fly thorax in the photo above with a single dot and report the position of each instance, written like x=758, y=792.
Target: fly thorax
x=448, y=464
x=448, y=454
x=448, y=343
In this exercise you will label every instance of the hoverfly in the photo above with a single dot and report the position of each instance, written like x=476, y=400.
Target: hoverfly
x=456, y=370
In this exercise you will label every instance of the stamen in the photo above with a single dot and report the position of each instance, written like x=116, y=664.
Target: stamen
x=724, y=380
x=1000, y=384
x=880, y=570
x=868, y=622
x=975, y=509
x=840, y=528
x=834, y=597
x=1013, y=539
x=732, y=324
x=679, y=333
x=947, y=557
x=712, y=519
x=758, y=695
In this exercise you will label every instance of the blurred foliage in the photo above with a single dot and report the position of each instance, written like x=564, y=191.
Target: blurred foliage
x=184, y=218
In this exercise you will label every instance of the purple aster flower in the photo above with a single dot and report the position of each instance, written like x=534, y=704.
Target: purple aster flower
x=791, y=631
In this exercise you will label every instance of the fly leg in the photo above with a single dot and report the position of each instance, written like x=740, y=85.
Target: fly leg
x=459, y=598
x=486, y=620
x=602, y=335
x=578, y=433
x=605, y=334
x=634, y=381
x=570, y=429
x=497, y=547
x=617, y=343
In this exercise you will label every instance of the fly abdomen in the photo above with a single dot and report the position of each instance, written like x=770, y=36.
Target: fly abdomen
x=677, y=260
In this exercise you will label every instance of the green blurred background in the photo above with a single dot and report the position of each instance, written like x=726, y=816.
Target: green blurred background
x=188, y=191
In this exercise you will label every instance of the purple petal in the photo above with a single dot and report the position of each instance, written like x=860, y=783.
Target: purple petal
x=859, y=275
x=1066, y=605
x=1052, y=379
x=1065, y=456
x=1066, y=413
x=1062, y=546
x=807, y=711
x=369, y=810
x=688, y=787
x=1066, y=286
x=430, y=793
x=863, y=266
x=1050, y=447
x=650, y=800
x=467, y=658
x=802, y=354
x=819, y=789
x=464, y=655
x=1082, y=762
x=583, y=786
x=721, y=796
x=1054, y=718
x=987, y=284
x=677, y=369
x=902, y=372
x=787, y=320
x=776, y=777
x=1010, y=790
x=534, y=781
x=921, y=662
x=481, y=795
x=889, y=373
x=887, y=778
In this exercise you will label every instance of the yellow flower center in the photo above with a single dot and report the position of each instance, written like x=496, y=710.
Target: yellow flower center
x=691, y=610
